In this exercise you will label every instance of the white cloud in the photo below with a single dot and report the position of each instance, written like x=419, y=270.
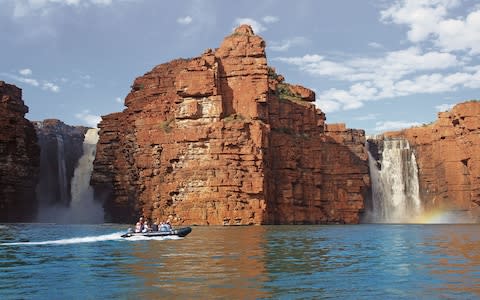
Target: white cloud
x=397, y=73
x=43, y=84
x=270, y=19
x=24, y=8
x=30, y=81
x=444, y=107
x=25, y=72
x=256, y=26
x=375, y=45
x=89, y=119
x=429, y=20
x=394, y=65
x=394, y=125
x=119, y=100
x=284, y=45
x=50, y=87
x=185, y=20
x=328, y=106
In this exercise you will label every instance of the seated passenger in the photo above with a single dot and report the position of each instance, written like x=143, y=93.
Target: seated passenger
x=146, y=228
x=164, y=227
x=138, y=227
x=155, y=226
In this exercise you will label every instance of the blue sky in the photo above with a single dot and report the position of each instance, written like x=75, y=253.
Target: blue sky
x=374, y=64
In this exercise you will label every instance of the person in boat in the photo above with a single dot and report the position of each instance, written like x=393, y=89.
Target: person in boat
x=165, y=226
x=146, y=227
x=139, y=226
x=155, y=226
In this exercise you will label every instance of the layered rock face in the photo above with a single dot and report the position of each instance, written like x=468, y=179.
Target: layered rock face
x=448, y=159
x=60, y=150
x=222, y=139
x=19, y=157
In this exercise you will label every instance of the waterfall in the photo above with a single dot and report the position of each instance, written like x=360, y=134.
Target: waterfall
x=84, y=208
x=62, y=170
x=395, y=189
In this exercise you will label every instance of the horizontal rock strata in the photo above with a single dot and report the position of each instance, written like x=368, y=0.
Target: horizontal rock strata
x=19, y=157
x=222, y=139
x=448, y=159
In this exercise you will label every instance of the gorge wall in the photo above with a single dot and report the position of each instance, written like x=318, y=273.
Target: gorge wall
x=448, y=159
x=60, y=149
x=222, y=139
x=19, y=157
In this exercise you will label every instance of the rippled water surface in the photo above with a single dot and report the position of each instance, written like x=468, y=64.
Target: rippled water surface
x=41, y=261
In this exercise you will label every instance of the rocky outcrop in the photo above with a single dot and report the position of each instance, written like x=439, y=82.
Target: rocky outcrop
x=60, y=149
x=222, y=139
x=448, y=159
x=19, y=157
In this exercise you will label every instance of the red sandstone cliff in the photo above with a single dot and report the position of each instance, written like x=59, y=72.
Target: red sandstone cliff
x=448, y=159
x=222, y=139
x=19, y=157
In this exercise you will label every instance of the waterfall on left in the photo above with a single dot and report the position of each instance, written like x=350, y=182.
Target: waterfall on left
x=66, y=163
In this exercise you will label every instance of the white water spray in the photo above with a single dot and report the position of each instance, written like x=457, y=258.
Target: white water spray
x=84, y=208
x=62, y=170
x=395, y=189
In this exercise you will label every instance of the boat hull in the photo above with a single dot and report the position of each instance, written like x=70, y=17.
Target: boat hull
x=181, y=232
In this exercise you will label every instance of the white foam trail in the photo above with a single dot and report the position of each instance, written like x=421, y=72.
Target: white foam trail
x=155, y=238
x=77, y=240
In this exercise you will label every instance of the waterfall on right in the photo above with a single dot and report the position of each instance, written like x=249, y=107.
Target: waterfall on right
x=394, y=176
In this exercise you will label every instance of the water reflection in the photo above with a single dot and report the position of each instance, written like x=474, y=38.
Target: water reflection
x=212, y=262
x=456, y=252
x=268, y=262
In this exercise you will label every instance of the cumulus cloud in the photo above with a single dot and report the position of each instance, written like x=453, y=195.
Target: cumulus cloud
x=375, y=45
x=43, y=84
x=23, y=8
x=185, y=20
x=270, y=19
x=444, y=107
x=256, y=26
x=286, y=44
x=441, y=57
x=25, y=72
x=119, y=100
x=394, y=125
x=50, y=87
x=90, y=119
x=433, y=20
x=394, y=65
x=396, y=73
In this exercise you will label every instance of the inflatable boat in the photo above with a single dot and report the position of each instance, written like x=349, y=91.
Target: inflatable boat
x=181, y=232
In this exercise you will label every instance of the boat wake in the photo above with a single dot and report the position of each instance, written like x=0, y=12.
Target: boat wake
x=92, y=239
x=154, y=238
x=76, y=240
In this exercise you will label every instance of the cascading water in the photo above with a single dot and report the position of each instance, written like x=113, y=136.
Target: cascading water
x=62, y=170
x=84, y=208
x=62, y=201
x=395, y=189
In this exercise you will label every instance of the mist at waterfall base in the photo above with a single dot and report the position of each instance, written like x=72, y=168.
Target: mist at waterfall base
x=82, y=208
x=395, y=192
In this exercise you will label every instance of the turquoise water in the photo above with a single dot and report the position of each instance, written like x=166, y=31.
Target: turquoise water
x=41, y=261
